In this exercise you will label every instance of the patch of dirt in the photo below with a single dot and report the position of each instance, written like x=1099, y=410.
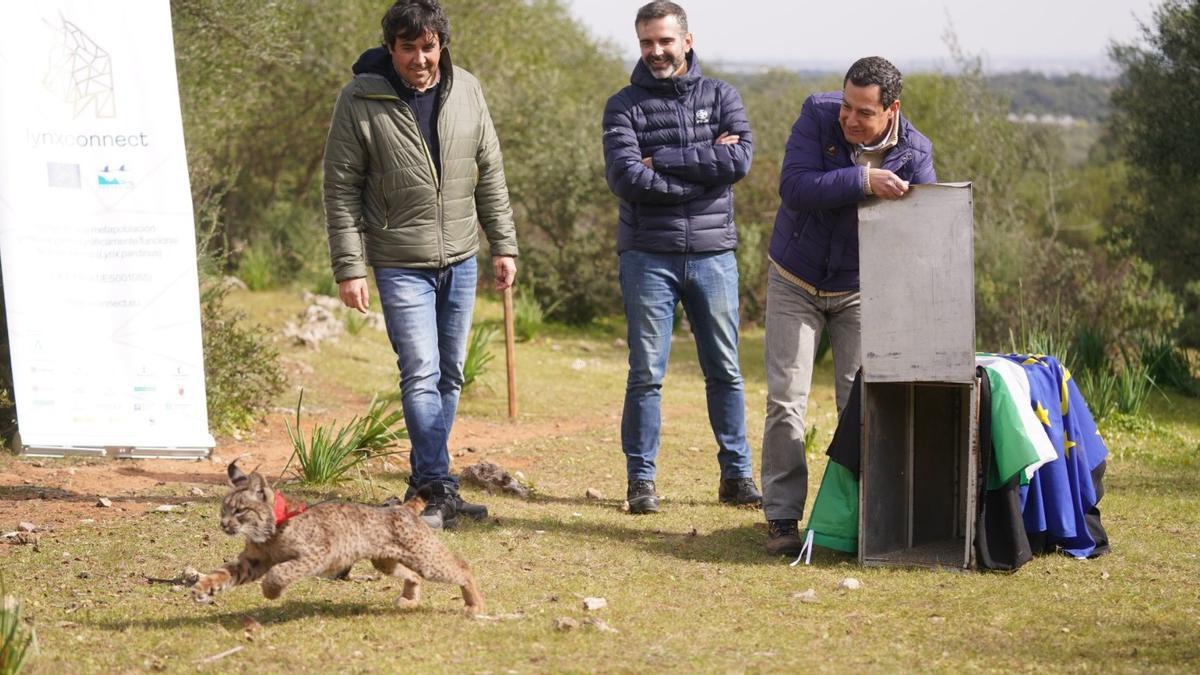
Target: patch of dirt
x=59, y=494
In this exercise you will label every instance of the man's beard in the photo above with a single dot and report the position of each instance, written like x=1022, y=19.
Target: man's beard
x=664, y=69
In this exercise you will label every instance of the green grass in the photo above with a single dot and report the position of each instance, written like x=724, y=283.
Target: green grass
x=689, y=589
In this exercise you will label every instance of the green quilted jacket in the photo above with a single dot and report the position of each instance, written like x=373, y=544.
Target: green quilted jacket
x=384, y=204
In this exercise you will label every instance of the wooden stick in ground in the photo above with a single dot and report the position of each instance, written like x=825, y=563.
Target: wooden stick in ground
x=510, y=354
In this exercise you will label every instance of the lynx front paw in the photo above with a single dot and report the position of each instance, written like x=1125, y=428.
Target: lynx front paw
x=202, y=593
x=406, y=603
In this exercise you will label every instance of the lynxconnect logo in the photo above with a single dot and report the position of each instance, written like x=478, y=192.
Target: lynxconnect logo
x=80, y=71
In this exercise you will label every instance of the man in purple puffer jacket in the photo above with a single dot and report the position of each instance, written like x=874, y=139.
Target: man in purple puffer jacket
x=847, y=146
x=674, y=143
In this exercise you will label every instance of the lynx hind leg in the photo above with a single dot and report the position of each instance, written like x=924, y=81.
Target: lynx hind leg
x=472, y=599
x=411, y=595
x=442, y=565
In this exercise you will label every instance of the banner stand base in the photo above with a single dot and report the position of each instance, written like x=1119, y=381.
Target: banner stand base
x=115, y=452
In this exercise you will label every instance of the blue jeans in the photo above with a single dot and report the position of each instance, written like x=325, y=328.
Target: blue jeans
x=428, y=317
x=652, y=284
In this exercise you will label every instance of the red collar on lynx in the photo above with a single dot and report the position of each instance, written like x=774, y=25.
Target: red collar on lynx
x=282, y=512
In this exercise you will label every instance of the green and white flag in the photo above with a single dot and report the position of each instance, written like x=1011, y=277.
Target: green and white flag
x=1019, y=440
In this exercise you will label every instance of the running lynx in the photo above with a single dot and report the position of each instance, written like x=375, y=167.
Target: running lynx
x=284, y=546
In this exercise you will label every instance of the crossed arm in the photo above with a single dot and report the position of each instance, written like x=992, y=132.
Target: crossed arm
x=675, y=175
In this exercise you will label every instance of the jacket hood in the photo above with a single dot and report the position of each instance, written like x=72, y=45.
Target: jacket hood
x=675, y=85
x=375, y=60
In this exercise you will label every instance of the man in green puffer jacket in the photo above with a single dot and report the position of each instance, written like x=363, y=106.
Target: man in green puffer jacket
x=412, y=170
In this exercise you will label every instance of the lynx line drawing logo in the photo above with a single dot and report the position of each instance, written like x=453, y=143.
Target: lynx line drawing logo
x=80, y=71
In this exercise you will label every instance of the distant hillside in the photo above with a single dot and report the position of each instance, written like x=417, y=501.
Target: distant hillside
x=1080, y=96
x=1033, y=94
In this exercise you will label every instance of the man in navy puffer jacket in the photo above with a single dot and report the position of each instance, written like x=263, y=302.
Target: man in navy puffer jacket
x=846, y=146
x=674, y=143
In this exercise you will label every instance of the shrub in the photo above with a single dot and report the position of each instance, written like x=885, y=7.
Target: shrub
x=242, y=370
x=1168, y=365
x=529, y=315
x=355, y=322
x=323, y=283
x=576, y=276
x=256, y=268
x=1091, y=349
x=17, y=642
x=479, y=354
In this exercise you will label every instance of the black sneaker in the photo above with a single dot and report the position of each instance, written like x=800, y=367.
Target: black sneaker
x=641, y=496
x=739, y=492
x=466, y=508
x=783, y=537
x=439, y=510
x=443, y=506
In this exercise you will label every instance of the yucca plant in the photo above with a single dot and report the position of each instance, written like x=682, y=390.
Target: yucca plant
x=1099, y=389
x=1042, y=342
x=384, y=425
x=17, y=643
x=1133, y=388
x=479, y=354
x=330, y=453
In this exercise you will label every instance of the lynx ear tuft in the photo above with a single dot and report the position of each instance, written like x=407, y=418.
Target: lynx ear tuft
x=236, y=477
x=259, y=485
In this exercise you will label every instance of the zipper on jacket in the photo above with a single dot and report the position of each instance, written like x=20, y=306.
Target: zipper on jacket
x=437, y=184
x=684, y=135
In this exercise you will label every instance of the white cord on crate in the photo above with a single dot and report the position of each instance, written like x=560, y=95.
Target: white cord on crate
x=805, y=551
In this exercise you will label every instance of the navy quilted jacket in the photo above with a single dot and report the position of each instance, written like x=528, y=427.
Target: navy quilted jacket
x=816, y=227
x=685, y=203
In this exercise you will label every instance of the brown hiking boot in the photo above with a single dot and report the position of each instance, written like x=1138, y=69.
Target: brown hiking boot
x=739, y=492
x=783, y=538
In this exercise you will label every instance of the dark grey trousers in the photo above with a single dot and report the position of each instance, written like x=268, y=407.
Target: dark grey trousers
x=795, y=319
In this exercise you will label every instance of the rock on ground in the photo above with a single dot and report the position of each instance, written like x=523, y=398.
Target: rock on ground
x=491, y=477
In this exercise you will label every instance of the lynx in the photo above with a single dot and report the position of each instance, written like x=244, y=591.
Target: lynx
x=283, y=546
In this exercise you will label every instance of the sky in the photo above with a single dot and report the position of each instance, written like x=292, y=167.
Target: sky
x=1051, y=35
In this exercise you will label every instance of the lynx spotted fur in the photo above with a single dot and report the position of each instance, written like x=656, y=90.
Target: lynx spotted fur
x=327, y=538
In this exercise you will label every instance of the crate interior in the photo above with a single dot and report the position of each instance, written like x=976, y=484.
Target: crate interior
x=915, y=493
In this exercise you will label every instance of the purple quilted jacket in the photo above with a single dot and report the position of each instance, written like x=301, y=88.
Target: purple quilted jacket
x=816, y=227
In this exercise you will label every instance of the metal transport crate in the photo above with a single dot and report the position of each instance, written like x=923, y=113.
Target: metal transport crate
x=920, y=452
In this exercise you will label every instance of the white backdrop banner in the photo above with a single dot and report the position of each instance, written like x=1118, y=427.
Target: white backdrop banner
x=96, y=230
